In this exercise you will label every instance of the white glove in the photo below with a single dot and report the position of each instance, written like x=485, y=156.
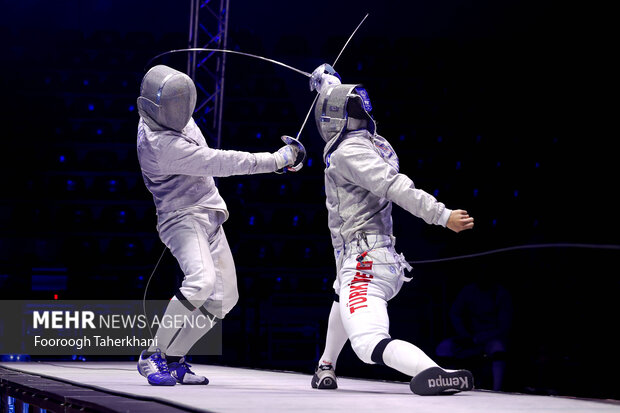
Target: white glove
x=286, y=156
x=323, y=78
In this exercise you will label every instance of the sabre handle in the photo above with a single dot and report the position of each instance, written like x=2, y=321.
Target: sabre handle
x=301, y=155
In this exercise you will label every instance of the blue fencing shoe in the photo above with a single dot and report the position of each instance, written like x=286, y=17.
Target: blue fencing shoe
x=155, y=369
x=183, y=374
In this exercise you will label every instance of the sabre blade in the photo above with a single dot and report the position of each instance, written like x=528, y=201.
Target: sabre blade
x=350, y=37
x=303, y=125
x=203, y=49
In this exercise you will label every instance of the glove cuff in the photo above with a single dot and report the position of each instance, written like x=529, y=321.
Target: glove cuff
x=280, y=161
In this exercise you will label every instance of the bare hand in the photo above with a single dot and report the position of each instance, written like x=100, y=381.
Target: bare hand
x=459, y=220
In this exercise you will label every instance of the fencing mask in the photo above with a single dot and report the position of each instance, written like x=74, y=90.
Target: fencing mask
x=167, y=98
x=340, y=108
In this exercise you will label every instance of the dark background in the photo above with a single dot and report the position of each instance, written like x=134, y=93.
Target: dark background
x=501, y=108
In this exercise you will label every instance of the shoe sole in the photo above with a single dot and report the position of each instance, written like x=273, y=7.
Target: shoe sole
x=326, y=383
x=195, y=383
x=154, y=383
x=437, y=381
x=172, y=382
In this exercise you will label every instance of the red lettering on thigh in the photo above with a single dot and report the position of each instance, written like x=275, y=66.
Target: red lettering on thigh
x=352, y=309
x=362, y=275
x=358, y=291
x=356, y=301
x=359, y=287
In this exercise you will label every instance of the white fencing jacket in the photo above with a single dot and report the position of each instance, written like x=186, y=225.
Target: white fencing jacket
x=362, y=181
x=178, y=168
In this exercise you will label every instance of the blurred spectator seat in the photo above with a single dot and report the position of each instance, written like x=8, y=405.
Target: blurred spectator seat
x=276, y=190
x=109, y=187
x=95, y=130
x=87, y=107
x=60, y=159
x=125, y=251
x=74, y=218
x=82, y=83
x=101, y=160
x=123, y=107
x=30, y=217
x=39, y=81
x=67, y=186
x=302, y=254
x=288, y=221
x=251, y=221
x=121, y=82
x=255, y=253
x=121, y=218
x=79, y=251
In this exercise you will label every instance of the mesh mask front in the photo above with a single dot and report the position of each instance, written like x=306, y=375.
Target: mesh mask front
x=167, y=98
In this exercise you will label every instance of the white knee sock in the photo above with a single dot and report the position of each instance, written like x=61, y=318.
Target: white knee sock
x=336, y=337
x=167, y=329
x=406, y=358
x=188, y=336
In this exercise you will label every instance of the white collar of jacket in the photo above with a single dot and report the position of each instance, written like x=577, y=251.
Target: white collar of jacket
x=332, y=145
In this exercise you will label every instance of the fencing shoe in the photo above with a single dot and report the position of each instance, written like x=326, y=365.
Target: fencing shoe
x=435, y=381
x=155, y=369
x=183, y=374
x=324, y=378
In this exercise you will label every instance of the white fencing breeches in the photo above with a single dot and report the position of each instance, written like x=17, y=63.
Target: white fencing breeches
x=364, y=289
x=197, y=240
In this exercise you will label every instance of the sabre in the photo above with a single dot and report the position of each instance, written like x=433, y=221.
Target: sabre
x=295, y=141
x=204, y=49
x=333, y=64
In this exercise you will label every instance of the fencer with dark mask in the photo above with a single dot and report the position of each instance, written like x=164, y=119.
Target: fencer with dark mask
x=178, y=169
x=362, y=180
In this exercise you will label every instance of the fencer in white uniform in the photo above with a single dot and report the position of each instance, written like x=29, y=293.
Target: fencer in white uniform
x=178, y=169
x=362, y=180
